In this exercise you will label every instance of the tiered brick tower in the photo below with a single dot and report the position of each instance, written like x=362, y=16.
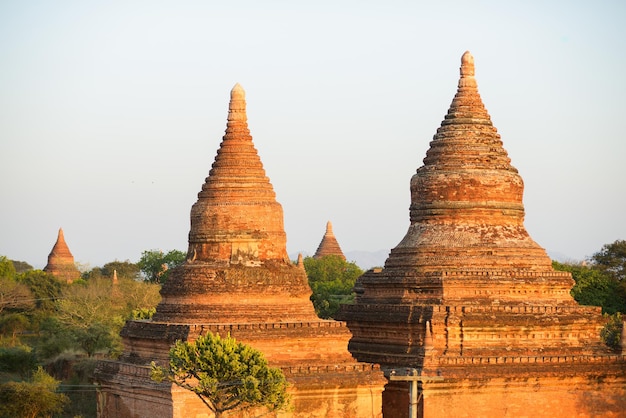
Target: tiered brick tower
x=238, y=279
x=469, y=299
x=329, y=244
x=61, y=261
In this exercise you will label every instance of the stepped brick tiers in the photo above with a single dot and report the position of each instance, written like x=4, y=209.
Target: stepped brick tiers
x=238, y=279
x=467, y=318
x=329, y=244
x=61, y=261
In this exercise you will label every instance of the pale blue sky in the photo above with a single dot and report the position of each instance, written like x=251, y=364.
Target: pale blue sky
x=111, y=114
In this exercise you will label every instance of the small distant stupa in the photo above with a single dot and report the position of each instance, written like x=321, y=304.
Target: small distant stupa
x=61, y=261
x=329, y=244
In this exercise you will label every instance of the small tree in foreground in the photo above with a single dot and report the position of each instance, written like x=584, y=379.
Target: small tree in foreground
x=225, y=374
x=37, y=398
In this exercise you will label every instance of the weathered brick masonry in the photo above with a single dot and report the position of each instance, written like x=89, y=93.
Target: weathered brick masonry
x=238, y=280
x=468, y=298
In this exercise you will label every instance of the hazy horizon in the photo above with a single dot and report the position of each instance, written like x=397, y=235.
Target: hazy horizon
x=111, y=115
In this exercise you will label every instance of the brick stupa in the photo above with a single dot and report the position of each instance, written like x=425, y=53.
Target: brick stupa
x=470, y=302
x=329, y=244
x=238, y=279
x=61, y=261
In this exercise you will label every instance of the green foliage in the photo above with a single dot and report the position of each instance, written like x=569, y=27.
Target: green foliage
x=124, y=269
x=93, y=313
x=331, y=279
x=14, y=296
x=44, y=287
x=143, y=313
x=155, y=265
x=612, y=332
x=37, y=398
x=7, y=269
x=17, y=360
x=595, y=287
x=12, y=324
x=612, y=259
x=54, y=338
x=225, y=374
x=97, y=336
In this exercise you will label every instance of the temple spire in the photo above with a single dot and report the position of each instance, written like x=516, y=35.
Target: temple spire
x=237, y=218
x=329, y=244
x=467, y=184
x=61, y=261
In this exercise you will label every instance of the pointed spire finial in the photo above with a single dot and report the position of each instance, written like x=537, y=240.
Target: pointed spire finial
x=300, y=261
x=467, y=64
x=237, y=105
x=467, y=71
x=329, y=229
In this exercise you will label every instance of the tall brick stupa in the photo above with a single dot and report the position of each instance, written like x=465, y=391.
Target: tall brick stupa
x=238, y=280
x=61, y=261
x=329, y=244
x=468, y=317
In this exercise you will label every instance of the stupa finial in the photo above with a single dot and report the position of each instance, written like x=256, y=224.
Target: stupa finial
x=237, y=105
x=329, y=229
x=467, y=64
x=467, y=71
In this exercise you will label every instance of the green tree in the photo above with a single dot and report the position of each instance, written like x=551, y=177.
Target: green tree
x=92, y=313
x=331, y=279
x=37, y=398
x=12, y=324
x=14, y=296
x=124, y=269
x=225, y=374
x=595, y=287
x=54, y=338
x=7, y=269
x=612, y=259
x=17, y=360
x=44, y=287
x=612, y=332
x=155, y=265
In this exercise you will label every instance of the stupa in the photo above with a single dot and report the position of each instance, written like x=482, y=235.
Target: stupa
x=238, y=280
x=329, y=244
x=467, y=317
x=61, y=261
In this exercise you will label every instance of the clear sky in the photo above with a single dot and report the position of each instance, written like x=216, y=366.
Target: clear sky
x=111, y=114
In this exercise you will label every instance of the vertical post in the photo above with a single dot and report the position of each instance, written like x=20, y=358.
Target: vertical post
x=413, y=395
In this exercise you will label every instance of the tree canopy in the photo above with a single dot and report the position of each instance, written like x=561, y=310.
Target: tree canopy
x=31, y=399
x=155, y=264
x=225, y=374
x=595, y=287
x=331, y=279
x=123, y=269
x=612, y=259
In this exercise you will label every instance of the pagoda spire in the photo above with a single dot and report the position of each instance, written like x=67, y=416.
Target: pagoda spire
x=466, y=200
x=237, y=218
x=61, y=261
x=329, y=244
